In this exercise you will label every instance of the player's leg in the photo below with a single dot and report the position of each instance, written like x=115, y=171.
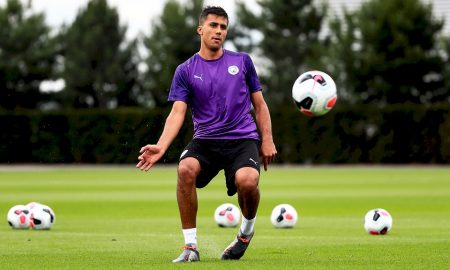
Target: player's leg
x=188, y=170
x=248, y=196
x=195, y=170
x=247, y=180
x=245, y=183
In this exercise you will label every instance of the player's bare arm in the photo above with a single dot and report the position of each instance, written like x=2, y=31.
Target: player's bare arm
x=151, y=153
x=268, y=149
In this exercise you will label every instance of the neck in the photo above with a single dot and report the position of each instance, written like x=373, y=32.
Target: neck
x=209, y=54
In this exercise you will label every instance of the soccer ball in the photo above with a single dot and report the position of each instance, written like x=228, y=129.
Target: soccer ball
x=227, y=215
x=284, y=216
x=378, y=221
x=33, y=205
x=42, y=216
x=314, y=93
x=19, y=217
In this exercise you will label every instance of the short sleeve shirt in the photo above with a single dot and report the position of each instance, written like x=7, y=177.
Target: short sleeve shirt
x=218, y=94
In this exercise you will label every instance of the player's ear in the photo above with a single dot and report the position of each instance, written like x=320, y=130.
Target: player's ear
x=199, y=30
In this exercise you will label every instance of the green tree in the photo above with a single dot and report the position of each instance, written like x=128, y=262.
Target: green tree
x=129, y=87
x=172, y=40
x=385, y=52
x=290, y=44
x=27, y=56
x=445, y=46
x=100, y=67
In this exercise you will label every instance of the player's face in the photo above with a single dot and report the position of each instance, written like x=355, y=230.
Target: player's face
x=213, y=32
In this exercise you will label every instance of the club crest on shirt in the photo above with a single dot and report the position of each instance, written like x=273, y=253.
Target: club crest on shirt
x=233, y=70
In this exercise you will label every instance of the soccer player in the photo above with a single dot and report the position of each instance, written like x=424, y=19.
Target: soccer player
x=220, y=88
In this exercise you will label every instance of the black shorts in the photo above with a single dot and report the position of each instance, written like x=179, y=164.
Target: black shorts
x=227, y=155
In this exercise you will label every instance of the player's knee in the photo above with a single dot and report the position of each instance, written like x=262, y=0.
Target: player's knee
x=187, y=172
x=247, y=179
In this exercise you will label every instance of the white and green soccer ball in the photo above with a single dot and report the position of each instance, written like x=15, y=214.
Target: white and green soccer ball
x=378, y=221
x=284, y=216
x=227, y=215
x=314, y=93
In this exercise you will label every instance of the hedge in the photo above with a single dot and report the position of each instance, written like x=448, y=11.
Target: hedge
x=404, y=133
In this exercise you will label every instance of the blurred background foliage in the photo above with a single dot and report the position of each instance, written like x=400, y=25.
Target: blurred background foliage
x=390, y=61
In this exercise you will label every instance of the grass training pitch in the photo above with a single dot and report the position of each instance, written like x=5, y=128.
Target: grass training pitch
x=121, y=218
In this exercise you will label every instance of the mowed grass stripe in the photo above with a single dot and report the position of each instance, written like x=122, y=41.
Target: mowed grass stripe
x=121, y=218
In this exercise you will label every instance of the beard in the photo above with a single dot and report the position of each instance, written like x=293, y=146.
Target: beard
x=214, y=47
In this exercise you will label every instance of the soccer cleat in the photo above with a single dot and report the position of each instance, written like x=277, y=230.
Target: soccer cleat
x=238, y=247
x=189, y=254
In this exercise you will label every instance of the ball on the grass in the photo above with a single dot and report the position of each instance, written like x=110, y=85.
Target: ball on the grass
x=227, y=215
x=284, y=216
x=378, y=221
x=42, y=217
x=19, y=217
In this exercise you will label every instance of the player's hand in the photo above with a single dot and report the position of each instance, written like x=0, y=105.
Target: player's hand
x=150, y=154
x=268, y=153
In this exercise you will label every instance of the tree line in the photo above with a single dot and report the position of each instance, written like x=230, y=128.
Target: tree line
x=385, y=52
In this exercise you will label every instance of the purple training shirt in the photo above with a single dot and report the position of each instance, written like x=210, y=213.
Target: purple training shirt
x=218, y=93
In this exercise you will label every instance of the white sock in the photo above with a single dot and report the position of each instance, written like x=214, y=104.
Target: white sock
x=247, y=225
x=190, y=236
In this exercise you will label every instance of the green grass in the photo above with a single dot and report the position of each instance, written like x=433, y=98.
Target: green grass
x=121, y=218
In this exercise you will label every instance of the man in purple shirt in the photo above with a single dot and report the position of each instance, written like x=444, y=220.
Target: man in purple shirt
x=219, y=87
